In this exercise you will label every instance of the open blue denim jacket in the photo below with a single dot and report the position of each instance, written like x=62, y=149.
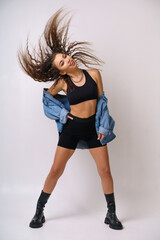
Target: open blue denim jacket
x=57, y=107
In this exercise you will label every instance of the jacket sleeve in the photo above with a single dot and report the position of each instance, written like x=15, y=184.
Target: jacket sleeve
x=54, y=111
x=104, y=125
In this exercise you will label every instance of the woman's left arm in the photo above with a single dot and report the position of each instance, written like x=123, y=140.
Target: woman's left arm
x=99, y=82
x=100, y=90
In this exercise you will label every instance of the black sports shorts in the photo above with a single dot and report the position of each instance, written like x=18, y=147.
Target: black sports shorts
x=79, y=128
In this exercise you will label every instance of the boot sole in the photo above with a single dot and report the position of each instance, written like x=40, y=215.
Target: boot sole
x=35, y=225
x=107, y=221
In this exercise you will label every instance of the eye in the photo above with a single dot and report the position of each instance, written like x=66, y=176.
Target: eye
x=64, y=57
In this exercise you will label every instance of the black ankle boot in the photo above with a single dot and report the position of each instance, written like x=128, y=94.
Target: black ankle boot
x=39, y=218
x=111, y=217
x=113, y=221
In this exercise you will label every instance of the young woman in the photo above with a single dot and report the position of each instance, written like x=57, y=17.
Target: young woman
x=59, y=63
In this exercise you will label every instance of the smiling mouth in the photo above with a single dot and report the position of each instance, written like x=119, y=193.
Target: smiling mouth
x=72, y=63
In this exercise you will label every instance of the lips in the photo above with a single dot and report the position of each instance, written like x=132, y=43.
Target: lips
x=72, y=63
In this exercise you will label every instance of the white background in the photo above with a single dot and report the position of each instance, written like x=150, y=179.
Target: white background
x=126, y=35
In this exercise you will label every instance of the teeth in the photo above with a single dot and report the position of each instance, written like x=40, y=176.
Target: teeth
x=71, y=62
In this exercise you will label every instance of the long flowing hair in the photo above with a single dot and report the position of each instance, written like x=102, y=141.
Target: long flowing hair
x=39, y=66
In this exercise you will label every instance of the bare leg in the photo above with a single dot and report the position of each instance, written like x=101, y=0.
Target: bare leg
x=60, y=159
x=62, y=155
x=101, y=157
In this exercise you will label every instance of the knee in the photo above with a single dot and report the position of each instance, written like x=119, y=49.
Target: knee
x=105, y=172
x=56, y=172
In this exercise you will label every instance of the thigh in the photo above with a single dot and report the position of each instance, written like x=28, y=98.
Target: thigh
x=67, y=139
x=93, y=141
x=62, y=155
x=101, y=157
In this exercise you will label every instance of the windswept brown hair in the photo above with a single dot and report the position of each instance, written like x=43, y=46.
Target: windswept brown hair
x=41, y=67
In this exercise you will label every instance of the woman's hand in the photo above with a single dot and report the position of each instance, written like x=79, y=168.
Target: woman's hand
x=101, y=136
x=69, y=117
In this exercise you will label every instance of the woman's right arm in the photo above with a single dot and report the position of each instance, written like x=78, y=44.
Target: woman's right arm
x=55, y=88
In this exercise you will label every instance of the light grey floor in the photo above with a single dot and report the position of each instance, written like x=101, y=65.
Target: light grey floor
x=140, y=217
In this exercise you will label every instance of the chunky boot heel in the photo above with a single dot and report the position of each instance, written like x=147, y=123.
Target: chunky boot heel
x=39, y=218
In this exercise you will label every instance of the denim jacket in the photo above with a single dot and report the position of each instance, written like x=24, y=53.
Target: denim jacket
x=57, y=107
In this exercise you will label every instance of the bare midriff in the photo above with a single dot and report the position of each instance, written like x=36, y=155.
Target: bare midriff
x=84, y=109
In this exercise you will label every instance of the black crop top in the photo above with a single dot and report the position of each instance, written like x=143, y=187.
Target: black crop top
x=83, y=93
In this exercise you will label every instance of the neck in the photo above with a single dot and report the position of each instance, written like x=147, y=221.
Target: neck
x=75, y=74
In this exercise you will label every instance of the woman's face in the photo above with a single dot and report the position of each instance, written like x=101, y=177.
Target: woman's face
x=64, y=63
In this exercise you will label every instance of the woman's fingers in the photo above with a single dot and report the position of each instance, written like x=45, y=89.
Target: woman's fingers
x=69, y=117
x=101, y=136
